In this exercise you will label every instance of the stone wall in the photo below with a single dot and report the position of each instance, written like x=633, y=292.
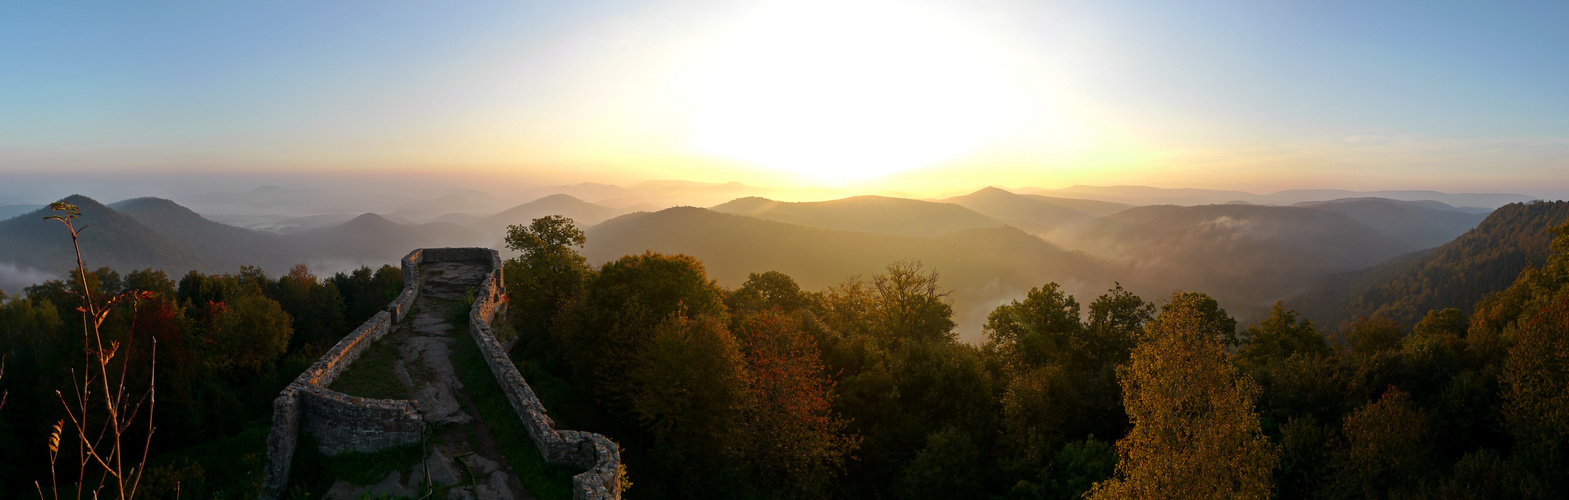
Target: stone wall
x=597, y=454
x=348, y=423
x=339, y=421
x=344, y=423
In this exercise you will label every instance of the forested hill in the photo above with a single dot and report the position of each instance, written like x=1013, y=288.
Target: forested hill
x=1247, y=256
x=156, y=233
x=867, y=214
x=110, y=239
x=228, y=247
x=1484, y=260
x=983, y=266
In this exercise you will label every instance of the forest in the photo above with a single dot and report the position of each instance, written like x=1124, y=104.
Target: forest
x=858, y=390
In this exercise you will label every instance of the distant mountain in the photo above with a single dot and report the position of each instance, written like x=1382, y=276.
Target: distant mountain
x=226, y=246
x=1145, y=195
x=983, y=266
x=1483, y=260
x=868, y=214
x=9, y=211
x=371, y=237
x=108, y=239
x=582, y=213
x=1466, y=202
x=1246, y=256
x=1033, y=212
x=1424, y=224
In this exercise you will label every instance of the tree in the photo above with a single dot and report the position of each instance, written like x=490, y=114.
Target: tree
x=769, y=290
x=316, y=309
x=611, y=325
x=547, y=274
x=1369, y=335
x=797, y=445
x=909, y=305
x=1194, y=430
x=248, y=333
x=1388, y=446
x=1043, y=329
x=1116, y=324
x=691, y=397
x=1536, y=390
x=1279, y=336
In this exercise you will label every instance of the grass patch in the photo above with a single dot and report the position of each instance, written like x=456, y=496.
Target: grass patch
x=372, y=376
x=543, y=480
x=313, y=473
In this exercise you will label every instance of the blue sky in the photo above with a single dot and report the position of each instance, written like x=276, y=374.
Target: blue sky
x=1455, y=96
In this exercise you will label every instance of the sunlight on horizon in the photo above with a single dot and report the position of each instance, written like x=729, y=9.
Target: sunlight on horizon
x=877, y=89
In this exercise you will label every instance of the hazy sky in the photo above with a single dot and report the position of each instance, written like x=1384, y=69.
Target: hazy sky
x=919, y=96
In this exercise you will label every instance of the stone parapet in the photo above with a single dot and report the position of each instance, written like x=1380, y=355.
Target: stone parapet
x=596, y=453
x=344, y=423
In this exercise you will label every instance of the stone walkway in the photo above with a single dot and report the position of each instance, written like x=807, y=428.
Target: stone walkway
x=463, y=450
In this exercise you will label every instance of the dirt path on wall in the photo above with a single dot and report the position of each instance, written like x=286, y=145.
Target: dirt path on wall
x=464, y=456
x=468, y=444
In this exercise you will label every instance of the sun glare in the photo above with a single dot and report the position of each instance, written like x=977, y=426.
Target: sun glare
x=849, y=91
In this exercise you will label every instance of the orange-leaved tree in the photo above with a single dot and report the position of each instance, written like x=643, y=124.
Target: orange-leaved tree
x=1195, y=433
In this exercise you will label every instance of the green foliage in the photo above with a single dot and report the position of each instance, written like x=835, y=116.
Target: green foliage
x=1278, y=337
x=607, y=331
x=1117, y=321
x=1388, y=444
x=762, y=292
x=944, y=468
x=248, y=333
x=1370, y=335
x=1204, y=315
x=692, y=398
x=1079, y=465
x=1043, y=329
x=1304, y=452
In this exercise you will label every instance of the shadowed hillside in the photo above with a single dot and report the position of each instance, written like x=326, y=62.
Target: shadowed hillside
x=867, y=214
x=1423, y=224
x=1483, y=260
x=983, y=266
x=109, y=239
x=1247, y=256
x=228, y=246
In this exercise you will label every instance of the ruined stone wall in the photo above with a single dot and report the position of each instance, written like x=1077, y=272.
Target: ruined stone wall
x=345, y=423
x=599, y=456
x=339, y=421
x=596, y=453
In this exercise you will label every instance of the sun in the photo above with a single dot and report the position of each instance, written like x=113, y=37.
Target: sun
x=849, y=91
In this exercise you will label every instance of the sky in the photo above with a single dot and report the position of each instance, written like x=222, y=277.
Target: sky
x=916, y=96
